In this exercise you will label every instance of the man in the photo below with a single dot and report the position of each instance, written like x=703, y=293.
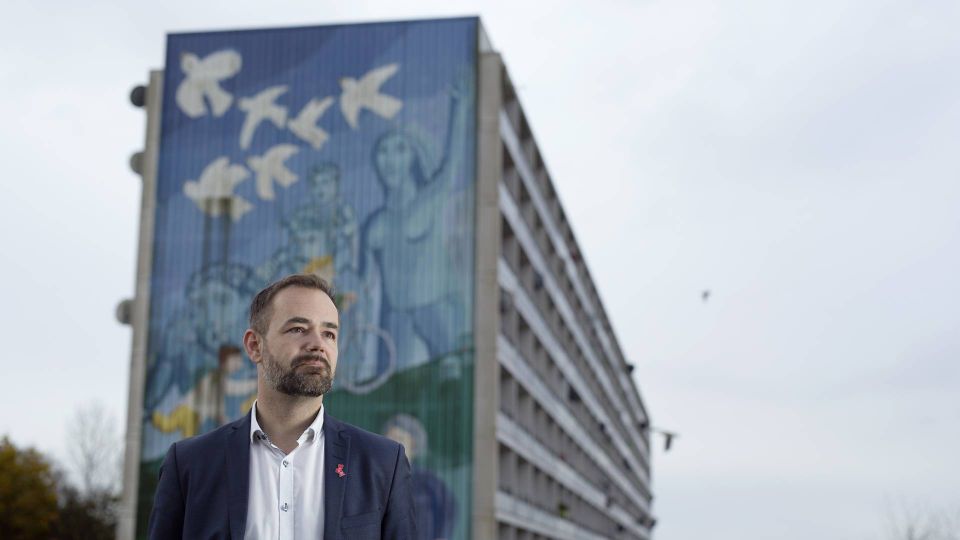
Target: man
x=287, y=470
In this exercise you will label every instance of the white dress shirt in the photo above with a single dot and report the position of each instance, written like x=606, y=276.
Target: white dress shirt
x=286, y=490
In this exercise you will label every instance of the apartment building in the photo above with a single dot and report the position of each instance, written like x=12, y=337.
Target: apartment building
x=394, y=159
x=573, y=457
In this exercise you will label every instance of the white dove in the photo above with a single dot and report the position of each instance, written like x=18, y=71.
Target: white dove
x=270, y=167
x=259, y=108
x=203, y=80
x=365, y=93
x=305, y=124
x=213, y=192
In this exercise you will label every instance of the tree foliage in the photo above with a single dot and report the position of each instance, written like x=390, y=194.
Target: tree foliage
x=28, y=493
x=85, y=516
x=37, y=501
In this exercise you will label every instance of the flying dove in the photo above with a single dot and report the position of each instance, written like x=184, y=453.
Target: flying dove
x=259, y=108
x=270, y=167
x=213, y=192
x=203, y=80
x=305, y=124
x=365, y=93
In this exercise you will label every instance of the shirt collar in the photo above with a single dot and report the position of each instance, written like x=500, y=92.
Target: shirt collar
x=315, y=428
x=309, y=434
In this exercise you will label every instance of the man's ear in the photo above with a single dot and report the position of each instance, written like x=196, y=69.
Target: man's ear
x=253, y=344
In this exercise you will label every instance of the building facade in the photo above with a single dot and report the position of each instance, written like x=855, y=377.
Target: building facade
x=395, y=160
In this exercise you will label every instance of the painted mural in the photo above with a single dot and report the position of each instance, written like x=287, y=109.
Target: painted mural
x=345, y=151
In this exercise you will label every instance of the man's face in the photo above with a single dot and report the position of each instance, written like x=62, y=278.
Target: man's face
x=325, y=185
x=299, y=350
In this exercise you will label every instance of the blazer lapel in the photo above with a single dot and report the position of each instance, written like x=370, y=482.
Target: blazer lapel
x=238, y=475
x=336, y=450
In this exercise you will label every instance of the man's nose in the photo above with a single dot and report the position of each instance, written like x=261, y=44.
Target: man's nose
x=315, y=343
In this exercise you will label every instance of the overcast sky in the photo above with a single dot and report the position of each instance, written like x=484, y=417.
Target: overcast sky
x=798, y=159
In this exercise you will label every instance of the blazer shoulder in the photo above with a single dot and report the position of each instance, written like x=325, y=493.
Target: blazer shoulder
x=361, y=438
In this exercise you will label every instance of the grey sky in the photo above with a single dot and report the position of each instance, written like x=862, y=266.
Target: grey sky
x=798, y=159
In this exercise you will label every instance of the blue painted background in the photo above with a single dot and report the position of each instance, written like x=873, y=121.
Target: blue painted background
x=385, y=210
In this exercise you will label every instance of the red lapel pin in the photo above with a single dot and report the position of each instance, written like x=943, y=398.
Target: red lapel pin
x=340, y=472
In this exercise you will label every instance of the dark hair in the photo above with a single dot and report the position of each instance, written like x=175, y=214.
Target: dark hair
x=260, y=306
x=326, y=166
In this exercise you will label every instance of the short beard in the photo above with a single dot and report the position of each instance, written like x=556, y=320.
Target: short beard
x=293, y=383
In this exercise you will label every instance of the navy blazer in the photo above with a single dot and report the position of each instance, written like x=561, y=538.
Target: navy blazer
x=204, y=484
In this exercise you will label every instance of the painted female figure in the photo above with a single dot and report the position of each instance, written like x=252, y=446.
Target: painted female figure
x=419, y=238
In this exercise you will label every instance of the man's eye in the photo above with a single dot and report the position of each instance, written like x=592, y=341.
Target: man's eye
x=297, y=330
x=331, y=335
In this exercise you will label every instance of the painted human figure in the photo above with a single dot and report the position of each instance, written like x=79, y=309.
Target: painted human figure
x=323, y=232
x=436, y=508
x=200, y=380
x=417, y=254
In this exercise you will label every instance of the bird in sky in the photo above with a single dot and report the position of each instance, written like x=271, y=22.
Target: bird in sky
x=203, y=79
x=705, y=295
x=214, y=194
x=365, y=94
x=259, y=108
x=305, y=124
x=270, y=167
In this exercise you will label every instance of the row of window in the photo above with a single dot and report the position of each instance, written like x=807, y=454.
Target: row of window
x=505, y=531
x=515, y=398
x=533, y=280
x=515, y=328
x=544, y=185
x=529, y=483
x=519, y=405
x=524, y=410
